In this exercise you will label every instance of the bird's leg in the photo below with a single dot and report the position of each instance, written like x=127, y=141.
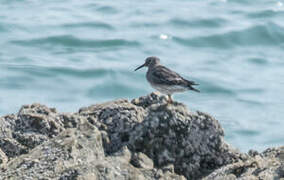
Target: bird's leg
x=170, y=100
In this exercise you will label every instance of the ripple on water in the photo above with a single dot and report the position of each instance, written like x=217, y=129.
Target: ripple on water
x=260, y=35
x=6, y=27
x=247, y=132
x=257, y=61
x=2, y=28
x=106, y=9
x=71, y=41
x=41, y=71
x=80, y=73
x=198, y=23
x=144, y=24
x=30, y=71
x=251, y=90
x=89, y=25
x=264, y=14
x=110, y=90
x=16, y=82
x=211, y=88
x=243, y=2
x=250, y=102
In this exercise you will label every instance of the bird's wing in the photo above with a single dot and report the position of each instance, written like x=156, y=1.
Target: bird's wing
x=163, y=75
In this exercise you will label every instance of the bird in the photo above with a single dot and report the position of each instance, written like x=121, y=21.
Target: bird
x=165, y=80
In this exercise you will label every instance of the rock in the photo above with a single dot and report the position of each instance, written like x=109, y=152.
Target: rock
x=142, y=139
x=3, y=159
x=267, y=165
x=124, y=154
x=169, y=167
x=11, y=147
x=7, y=124
x=66, y=156
x=140, y=160
x=170, y=134
x=253, y=152
x=76, y=153
x=117, y=118
x=31, y=126
x=153, y=98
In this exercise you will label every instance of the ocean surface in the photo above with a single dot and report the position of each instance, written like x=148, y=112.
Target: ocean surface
x=69, y=54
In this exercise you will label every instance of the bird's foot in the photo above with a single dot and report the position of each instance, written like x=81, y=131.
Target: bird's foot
x=170, y=100
x=157, y=93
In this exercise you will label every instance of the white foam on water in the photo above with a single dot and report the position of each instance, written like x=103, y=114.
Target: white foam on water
x=164, y=36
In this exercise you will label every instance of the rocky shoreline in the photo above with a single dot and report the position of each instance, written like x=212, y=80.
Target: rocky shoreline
x=141, y=139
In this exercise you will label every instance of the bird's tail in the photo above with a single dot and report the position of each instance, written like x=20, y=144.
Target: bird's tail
x=190, y=84
x=193, y=89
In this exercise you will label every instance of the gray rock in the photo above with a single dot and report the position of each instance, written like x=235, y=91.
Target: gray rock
x=7, y=124
x=267, y=165
x=67, y=156
x=76, y=153
x=3, y=159
x=117, y=118
x=170, y=134
x=31, y=126
x=140, y=160
x=167, y=134
x=11, y=147
x=142, y=139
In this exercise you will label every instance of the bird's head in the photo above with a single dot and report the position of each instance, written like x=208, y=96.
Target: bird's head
x=150, y=62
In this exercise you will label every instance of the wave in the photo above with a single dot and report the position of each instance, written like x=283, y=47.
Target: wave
x=42, y=71
x=214, y=88
x=89, y=25
x=258, y=61
x=259, y=35
x=2, y=28
x=199, y=23
x=264, y=14
x=107, y=9
x=71, y=41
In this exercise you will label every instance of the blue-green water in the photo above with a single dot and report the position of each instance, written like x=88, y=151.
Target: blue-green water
x=69, y=54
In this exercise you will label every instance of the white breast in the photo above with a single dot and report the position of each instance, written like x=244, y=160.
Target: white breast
x=169, y=89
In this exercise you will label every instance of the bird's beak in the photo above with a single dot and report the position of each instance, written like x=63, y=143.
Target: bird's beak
x=140, y=67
